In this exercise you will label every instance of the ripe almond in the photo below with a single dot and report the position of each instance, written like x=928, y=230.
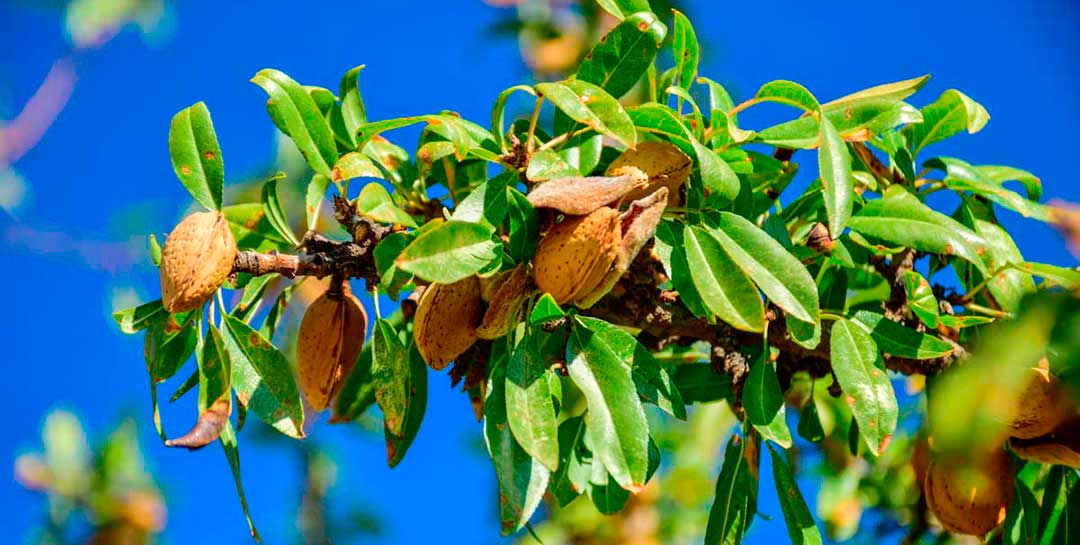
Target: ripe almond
x=197, y=258
x=573, y=257
x=506, y=303
x=579, y=196
x=445, y=322
x=1060, y=447
x=664, y=164
x=328, y=344
x=970, y=498
x=1041, y=405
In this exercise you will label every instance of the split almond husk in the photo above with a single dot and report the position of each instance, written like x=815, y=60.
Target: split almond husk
x=1059, y=447
x=579, y=196
x=446, y=319
x=328, y=344
x=506, y=304
x=663, y=163
x=1041, y=405
x=197, y=258
x=573, y=257
x=637, y=225
x=970, y=498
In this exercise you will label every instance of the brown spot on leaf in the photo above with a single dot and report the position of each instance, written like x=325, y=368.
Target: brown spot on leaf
x=643, y=26
x=850, y=400
x=208, y=155
x=949, y=250
x=185, y=170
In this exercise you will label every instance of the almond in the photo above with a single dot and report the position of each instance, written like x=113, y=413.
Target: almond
x=446, y=319
x=1042, y=405
x=1059, y=447
x=573, y=257
x=197, y=258
x=664, y=164
x=970, y=498
x=328, y=343
x=580, y=196
x=506, y=303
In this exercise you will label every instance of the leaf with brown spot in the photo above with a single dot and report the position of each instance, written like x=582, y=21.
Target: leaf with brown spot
x=861, y=374
x=215, y=395
x=262, y=375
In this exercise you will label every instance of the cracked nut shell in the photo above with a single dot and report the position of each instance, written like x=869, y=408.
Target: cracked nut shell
x=197, y=258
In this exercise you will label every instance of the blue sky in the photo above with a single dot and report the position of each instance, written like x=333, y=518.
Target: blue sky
x=101, y=179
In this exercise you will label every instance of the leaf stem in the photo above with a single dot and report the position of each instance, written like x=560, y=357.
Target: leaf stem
x=532, y=125
x=987, y=310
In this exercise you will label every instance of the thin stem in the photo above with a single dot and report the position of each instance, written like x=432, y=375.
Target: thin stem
x=562, y=138
x=831, y=316
x=532, y=125
x=987, y=310
x=375, y=301
x=967, y=297
x=742, y=106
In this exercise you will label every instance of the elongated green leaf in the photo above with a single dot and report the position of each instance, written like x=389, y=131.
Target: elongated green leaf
x=670, y=246
x=838, y=187
x=684, y=45
x=391, y=279
x=921, y=300
x=1008, y=286
x=300, y=118
x=624, y=8
x=135, y=319
x=196, y=155
x=548, y=165
x=170, y=340
x=764, y=403
x=400, y=389
x=232, y=453
x=810, y=423
x=874, y=115
x=275, y=213
x=1066, y=278
x=889, y=91
x=524, y=227
x=522, y=480
x=375, y=202
x=357, y=165
x=353, y=111
x=591, y=106
x=263, y=379
x=529, y=407
x=898, y=340
x=622, y=56
x=951, y=113
x=575, y=462
x=790, y=93
x=723, y=287
x=498, y=112
x=313, y=199
x=449, y=252
x=615, y=419
x=779, y=274
x=698, y=383
x=961, y=176
x=735, y=504
x=358, y=391
x=900, y=218
x=215, y=370
x=487, y=203
x=800, y=523
x=448, y=126
x=862, y=376
x=1001, y=174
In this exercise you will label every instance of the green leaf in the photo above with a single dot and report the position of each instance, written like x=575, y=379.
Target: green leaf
x=723, y=287
x=170, y=340
x=375, y=202
x=890, y=91
x=263, y=379
x=1066, y=278
x=232, y=453
x=900, y=218
x=1001, y=174
x=684, y=45
x=838, y=188
x=252, y=229
x=872, y=115
x=623, y=55
x=862, y=376
x=524, y=227
x=615, y=419
x=700, y=383
x=921, y=300
x=951, y=113
x=670, y=246
x=301, y=119
x=545, y=310
x=591, y=106
x=446, y=125
x=622, y=9
x=215, y=370
x=789, y=93
x=717, y=176
x=357, y=165
x=735, y=504
x=522, y=480
x=779, y=274
x=358, y=391
x=498, y=113
x=353, y=111
x=898, y=340
x=575, y=462
x=1009, y=286
x=391, y=279
x=548, y=165
x=800, y=523
x=400, y=390
x=764, y=402
x=449, y=252
x=487, y=203
x=155, y=249
x=313, y=199
x=196, y=155
x=810, y=423
x=135, y=319
x=653, y=382
x=271, y=204
x=961, y=176
x=529, y=407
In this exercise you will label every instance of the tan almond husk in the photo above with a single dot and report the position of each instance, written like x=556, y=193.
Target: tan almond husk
x=638, y=225
x=1059, y=447
x=489, y=284
x=662, y=162
x=573, y=257
x=446, y=319
x=197, y=258
x=971, y=498
x=328, y=344
x=1042, y=405
x=579, y=196
x=506, y=304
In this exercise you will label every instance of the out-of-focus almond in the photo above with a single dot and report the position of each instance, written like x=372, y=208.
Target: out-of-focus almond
x=1041, y=405
x=663, y=163
x=970, y=498
x=446, y=319
x=1059, y=447
x=579, y=196
x=328, y=344
x=197, y=258
x=506, y=303
x=573, y=257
